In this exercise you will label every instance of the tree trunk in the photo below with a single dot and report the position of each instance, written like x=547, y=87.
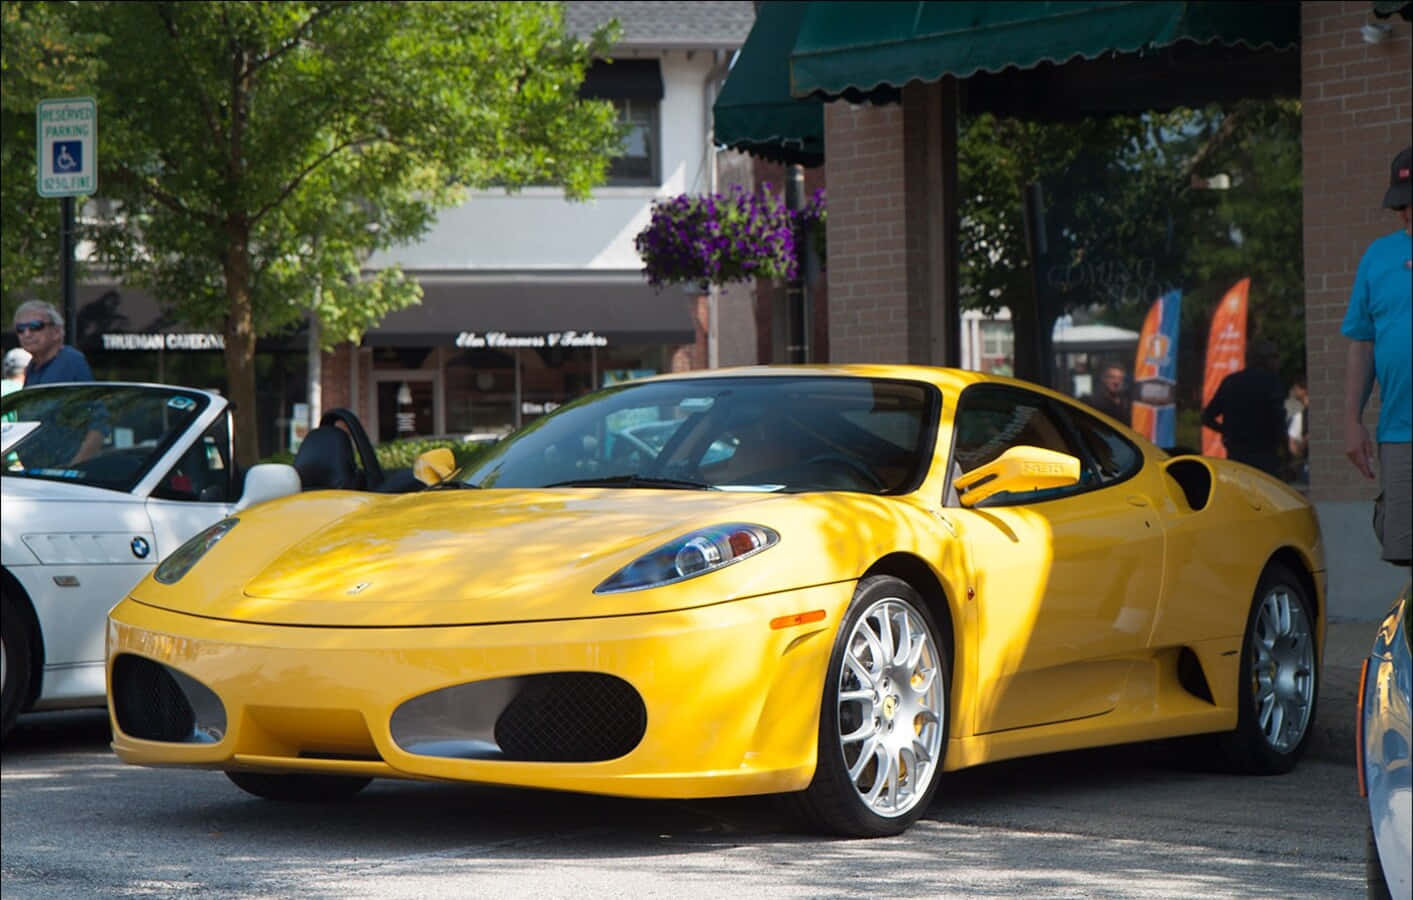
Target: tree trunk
x=240, y=346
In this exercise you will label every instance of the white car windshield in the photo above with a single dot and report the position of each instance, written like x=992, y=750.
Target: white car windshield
x=104, y=435
x=768, y=433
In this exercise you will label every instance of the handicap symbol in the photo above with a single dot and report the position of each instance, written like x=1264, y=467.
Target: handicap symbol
x=68, y=156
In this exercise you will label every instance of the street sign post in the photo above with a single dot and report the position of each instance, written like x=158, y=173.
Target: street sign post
x=67, y=131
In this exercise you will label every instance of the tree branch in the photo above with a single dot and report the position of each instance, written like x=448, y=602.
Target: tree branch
x=291, y=42
x=308, y=170
x=171, y=201
x=208, y=112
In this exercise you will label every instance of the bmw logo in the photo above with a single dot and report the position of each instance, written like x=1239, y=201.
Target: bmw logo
x=140, y=547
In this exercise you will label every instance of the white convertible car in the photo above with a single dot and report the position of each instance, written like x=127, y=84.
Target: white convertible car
x=101, y=481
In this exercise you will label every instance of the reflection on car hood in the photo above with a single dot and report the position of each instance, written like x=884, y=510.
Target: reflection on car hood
x=475, y=557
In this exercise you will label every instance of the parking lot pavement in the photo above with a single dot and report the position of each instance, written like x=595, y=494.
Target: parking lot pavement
x=1346, y=645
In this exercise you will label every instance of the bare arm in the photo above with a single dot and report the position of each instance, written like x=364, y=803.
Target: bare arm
x=1358, y=382
x=92, y=443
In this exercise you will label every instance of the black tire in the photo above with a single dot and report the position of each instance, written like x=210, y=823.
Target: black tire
x=1375, y=883
x=834, y=802
x=1287, y=655
x=18, y=659
x=299, y=787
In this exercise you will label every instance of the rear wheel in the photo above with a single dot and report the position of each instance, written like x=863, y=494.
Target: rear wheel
x=15, y=661
x=1279, y=679
x=883, y=722
x=299, y=788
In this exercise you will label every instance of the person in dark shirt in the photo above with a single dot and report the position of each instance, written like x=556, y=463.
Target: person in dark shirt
x=1113, y=399
x=1248, y=410
x=41, y=332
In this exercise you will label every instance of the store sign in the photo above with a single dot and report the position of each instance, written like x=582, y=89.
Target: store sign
x=164, y=342
x=501, y=340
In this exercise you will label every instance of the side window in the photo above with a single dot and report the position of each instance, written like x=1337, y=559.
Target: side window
x=637, y=164
x=635, y=88
x=991, y=420
x=202, y=473
x=1114, y=458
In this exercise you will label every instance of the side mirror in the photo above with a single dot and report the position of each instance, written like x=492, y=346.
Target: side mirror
x=434, y=466
x=1021, y=468
x=268, y=481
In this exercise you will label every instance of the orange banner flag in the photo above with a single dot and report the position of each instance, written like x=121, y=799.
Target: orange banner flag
x=1226, y=353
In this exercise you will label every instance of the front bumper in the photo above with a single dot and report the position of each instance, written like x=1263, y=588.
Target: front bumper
x=731, y=703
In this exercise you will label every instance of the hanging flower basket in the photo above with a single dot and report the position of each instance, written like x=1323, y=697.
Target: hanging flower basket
x=717, y=239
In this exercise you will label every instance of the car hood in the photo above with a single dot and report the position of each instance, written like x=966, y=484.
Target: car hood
x=496, y=556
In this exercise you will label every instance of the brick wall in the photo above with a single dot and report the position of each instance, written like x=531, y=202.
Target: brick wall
x=1356, y=115
x=868, y=277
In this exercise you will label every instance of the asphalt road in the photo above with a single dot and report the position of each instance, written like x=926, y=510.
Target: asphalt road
x=1120, y=822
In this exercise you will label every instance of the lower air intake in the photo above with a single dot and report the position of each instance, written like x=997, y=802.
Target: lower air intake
x=571, y=717
x=148, y=703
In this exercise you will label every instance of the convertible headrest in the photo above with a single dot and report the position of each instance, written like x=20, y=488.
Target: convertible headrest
x=325, y=460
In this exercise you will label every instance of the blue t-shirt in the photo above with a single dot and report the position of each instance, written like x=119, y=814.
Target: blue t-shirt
x=67, y=365
x=1379, y=311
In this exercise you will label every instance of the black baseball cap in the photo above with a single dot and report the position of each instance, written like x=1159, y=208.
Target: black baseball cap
x=1397, y=196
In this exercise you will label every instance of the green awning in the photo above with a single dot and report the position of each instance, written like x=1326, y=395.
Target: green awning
x=851, y=50
x=755, y=112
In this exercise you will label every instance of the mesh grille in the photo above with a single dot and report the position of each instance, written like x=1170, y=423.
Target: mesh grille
x=147, y=701
x=571, y=717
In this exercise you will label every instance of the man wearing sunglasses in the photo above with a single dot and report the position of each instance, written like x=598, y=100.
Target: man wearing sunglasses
x=41, y=332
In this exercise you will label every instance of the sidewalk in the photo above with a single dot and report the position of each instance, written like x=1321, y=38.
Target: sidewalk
x=1346, y=645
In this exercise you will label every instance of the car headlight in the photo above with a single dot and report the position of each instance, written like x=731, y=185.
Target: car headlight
x=690, y=555
x=171, y=569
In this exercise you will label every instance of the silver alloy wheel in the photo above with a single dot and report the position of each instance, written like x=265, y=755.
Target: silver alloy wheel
x=891, y=707
x=1282, y=668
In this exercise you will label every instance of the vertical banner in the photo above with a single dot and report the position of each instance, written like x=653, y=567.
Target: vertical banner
x=1155, y=372
x=1226, y=353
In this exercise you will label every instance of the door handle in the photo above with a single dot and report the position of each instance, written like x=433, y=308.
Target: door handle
x=1137, y=500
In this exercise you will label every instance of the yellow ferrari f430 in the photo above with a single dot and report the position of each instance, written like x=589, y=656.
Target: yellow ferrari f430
x=828, y=583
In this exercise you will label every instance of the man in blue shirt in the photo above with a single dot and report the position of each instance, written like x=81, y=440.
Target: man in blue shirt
x=41, y=332
x=1379, y=325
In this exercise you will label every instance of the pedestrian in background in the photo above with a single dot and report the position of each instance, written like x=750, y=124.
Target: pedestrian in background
x=1113, y=399
x=41, y=332
x=1379, y=326
x=15, y=362
x=1248, y=410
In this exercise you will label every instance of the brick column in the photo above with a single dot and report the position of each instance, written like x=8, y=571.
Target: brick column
x=868, y=276
x=1356, y=115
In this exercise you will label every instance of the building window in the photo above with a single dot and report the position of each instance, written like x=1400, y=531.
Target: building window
x=638, y=164
x=634, y=87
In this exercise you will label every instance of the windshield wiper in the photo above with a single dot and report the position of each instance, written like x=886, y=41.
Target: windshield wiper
x=634, y=481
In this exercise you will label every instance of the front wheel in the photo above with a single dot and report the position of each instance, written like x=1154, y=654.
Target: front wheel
x=1279, y=678
x=14, y=665
x=300, y=787
x=883, y=722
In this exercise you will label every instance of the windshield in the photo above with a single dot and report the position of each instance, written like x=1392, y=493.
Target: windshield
x=103, y=435
x=785, y=433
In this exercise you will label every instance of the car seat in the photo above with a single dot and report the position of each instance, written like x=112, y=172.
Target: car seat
x=325, y=461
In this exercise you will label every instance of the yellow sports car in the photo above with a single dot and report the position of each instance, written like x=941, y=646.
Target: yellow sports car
x=829, y=583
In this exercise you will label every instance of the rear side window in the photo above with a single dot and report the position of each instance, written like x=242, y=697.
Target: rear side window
x=1112, y=457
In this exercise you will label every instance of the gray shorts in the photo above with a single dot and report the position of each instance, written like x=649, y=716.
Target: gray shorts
x=1393, y=510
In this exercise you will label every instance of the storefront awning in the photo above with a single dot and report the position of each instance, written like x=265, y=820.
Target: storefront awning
x=755, y=112
x=530, y=312
x=1033, y=60
x=852, y=49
